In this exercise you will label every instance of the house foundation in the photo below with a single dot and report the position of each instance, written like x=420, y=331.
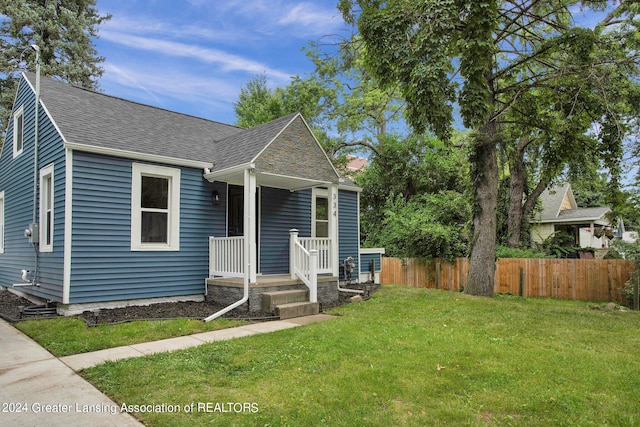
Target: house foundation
x=226, y=291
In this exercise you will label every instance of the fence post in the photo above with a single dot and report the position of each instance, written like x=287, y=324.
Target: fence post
x=521, y=282
x=636, y=294
x=437, y=275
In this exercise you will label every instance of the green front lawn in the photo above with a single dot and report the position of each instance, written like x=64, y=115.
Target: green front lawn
x=64, y=336
x=408, y=356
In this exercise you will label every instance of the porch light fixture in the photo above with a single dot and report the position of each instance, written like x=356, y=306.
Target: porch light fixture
x=215, y=198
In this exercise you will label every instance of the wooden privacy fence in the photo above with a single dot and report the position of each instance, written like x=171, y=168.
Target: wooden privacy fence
x=576, y=279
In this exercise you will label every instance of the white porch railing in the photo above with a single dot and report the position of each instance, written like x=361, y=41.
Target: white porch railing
x=226, y=256
x=304, y=265
x=323, y=246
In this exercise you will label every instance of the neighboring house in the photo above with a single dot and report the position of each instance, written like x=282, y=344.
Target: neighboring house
x=589, y=226
x=356, y=164
x=134, y=203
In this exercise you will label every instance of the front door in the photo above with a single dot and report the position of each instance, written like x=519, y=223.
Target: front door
x=235, y=206
x=235, y=213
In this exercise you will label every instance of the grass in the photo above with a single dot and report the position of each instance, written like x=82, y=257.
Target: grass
x=65, y=336
x=408, y=356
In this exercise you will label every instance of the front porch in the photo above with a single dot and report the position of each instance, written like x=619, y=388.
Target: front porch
x=227, y=290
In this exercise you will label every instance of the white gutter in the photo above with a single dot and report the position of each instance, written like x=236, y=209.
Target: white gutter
x=115, y=152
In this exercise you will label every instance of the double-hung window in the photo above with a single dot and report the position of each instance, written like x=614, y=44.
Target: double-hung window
x=320, y=213
x=18, y=131
x=46, y=209
x=155, y=208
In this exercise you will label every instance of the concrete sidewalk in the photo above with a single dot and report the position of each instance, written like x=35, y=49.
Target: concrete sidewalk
x=81, y=361
x=38, y=389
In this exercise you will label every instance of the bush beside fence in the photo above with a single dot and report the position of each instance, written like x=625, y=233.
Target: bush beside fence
x=576, y=279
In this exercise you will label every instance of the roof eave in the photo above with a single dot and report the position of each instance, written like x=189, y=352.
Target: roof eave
x=137, y=155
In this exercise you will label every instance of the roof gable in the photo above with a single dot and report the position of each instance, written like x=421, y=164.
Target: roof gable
x=296, y=152
x=559, y=205
x=555, y=200
x=243, y=147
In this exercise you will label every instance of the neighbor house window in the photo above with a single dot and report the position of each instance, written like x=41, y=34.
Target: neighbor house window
x=1, y=222
x=46, y=209
x=155, y=208
x=18, y=131
x=320, y=213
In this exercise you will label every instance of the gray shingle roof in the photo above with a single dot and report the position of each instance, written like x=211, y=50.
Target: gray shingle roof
x=589, y=214
x=244, y=146
x=552, y=202
x=93, y=121
x=552, y=199
x=99, y=120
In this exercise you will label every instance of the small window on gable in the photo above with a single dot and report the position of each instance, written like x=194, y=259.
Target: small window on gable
x=18, y=131
x=155, y=208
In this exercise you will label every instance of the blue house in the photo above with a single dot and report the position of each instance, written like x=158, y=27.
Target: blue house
x=110, y=203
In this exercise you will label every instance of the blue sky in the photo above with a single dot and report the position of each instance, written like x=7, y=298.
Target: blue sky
x=194, y=56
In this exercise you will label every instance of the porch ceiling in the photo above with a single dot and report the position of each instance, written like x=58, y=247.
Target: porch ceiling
x=266, y=179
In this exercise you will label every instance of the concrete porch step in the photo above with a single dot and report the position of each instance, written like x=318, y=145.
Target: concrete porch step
x=272, y=299
x=297, y=309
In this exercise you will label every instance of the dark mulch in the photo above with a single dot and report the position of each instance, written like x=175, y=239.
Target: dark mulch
x=15, y=308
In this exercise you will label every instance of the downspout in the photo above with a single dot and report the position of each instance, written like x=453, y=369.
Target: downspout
x=244, y=299
x=248, y=236
x=35, y=139
x=34, y=220
x=354, y=291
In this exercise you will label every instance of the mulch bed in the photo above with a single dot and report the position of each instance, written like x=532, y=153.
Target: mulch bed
x=15, y=308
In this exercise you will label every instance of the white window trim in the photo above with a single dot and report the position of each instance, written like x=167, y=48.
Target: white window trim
x=322, y=193
x=19, y=113
x=139, y=170
x=2, y=225
x=45, y=172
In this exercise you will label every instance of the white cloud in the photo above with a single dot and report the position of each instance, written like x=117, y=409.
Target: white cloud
x=199, y=93
x=293, y=18
x=227, y=61
x=313, y=19
x=191, y=31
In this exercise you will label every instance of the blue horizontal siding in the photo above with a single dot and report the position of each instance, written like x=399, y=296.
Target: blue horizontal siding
x=281, y=210
x=104, y=268
x=348, y=228
x=16, y=180
x=366, y=259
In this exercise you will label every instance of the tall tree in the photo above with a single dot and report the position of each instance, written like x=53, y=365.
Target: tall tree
x=414, y=198
x=483, y=56
x=64, y=32
x=551, y=127
x=258, y=103
x=359, y=110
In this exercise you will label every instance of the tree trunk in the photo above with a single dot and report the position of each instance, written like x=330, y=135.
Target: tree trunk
x=516, y=194
x=483, y=252
x=530, y=203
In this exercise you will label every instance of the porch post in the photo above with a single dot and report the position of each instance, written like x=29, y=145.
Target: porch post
x=250, y=251
x=333, y=228
x=293, y=239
